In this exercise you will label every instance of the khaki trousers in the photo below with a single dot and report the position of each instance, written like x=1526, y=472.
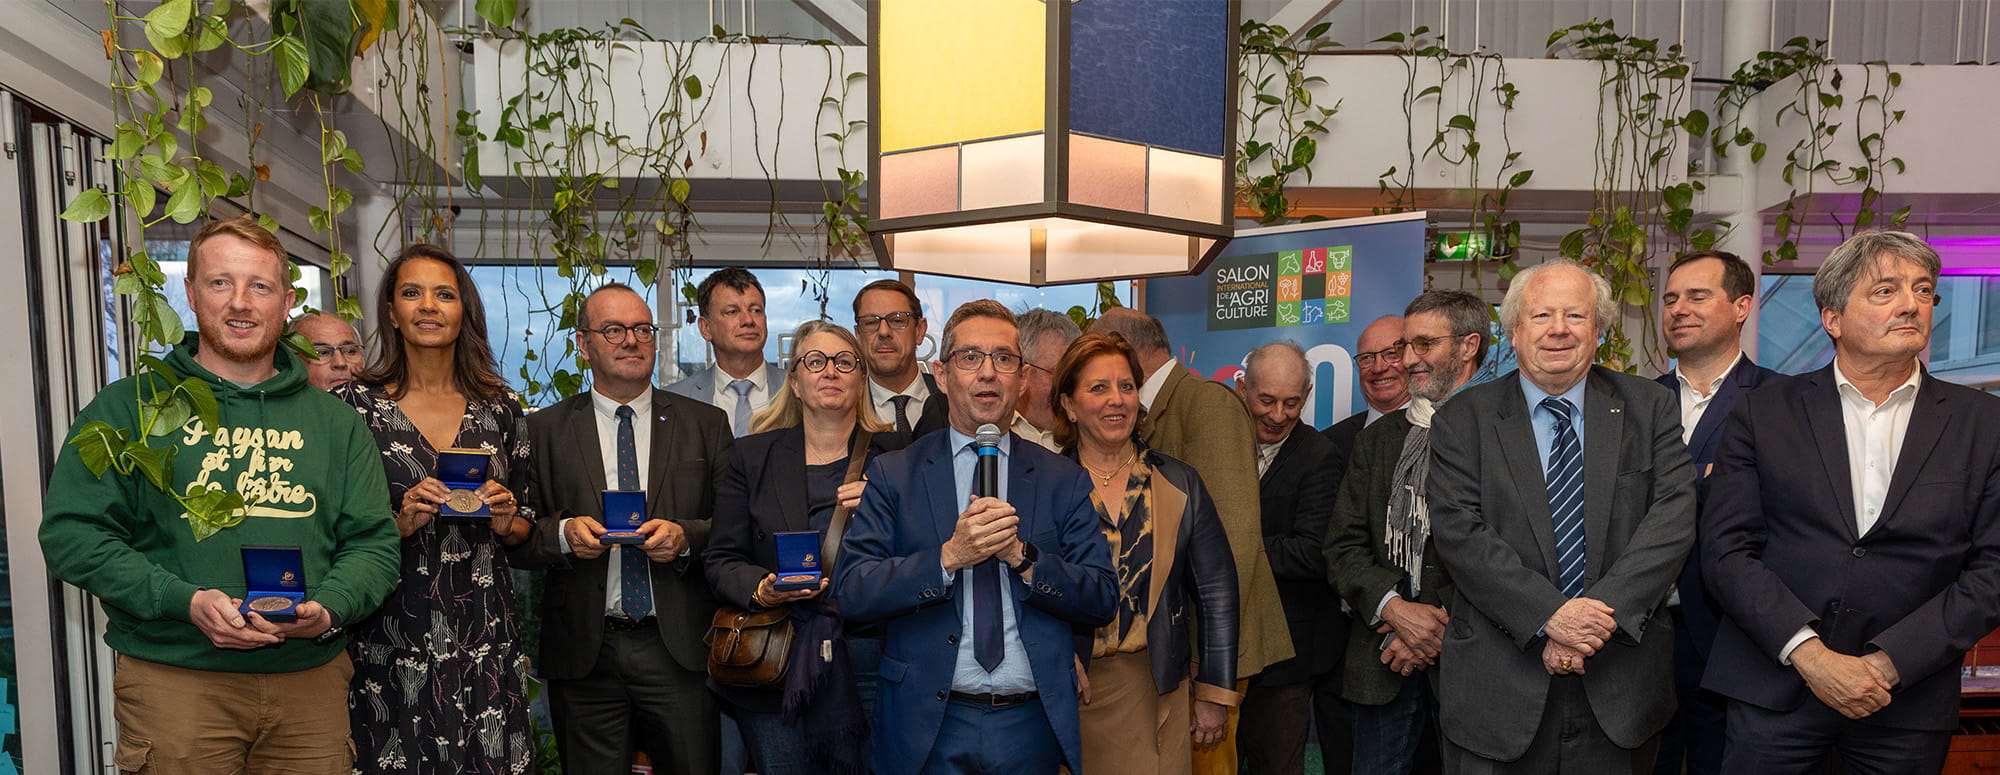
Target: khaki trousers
x=175, y=720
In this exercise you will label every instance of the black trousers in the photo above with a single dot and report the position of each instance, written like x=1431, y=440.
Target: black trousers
x=636, y=698
x=1694, y=739
x=1271, y=735
x=1568, y=742
x=1802, y=741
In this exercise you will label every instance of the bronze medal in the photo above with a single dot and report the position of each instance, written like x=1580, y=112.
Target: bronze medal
x=269, y=604
x=462, y=501
x=796, y=578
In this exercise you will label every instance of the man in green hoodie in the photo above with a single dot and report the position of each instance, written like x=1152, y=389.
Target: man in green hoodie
x=201, y=687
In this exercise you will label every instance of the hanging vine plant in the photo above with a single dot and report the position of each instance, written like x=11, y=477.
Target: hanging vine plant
x=1281, y=124
x=1817, y=100
x=161, y=109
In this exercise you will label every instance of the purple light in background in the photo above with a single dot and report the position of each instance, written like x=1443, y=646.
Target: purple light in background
x=1969, y=255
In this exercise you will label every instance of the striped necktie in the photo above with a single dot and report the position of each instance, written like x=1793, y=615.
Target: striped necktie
x=1565, y=483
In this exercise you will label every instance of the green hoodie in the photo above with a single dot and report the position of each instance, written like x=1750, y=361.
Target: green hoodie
x=310, y=470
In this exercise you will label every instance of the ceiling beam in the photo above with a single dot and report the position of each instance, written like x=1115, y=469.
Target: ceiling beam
x=846, y=18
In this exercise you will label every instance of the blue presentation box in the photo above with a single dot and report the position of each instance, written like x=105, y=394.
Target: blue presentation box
x=276, y=581
x=624, y=512
x=798, y=561
x=464, y=471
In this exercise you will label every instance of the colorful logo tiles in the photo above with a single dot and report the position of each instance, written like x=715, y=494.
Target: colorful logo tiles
x=1288, y=288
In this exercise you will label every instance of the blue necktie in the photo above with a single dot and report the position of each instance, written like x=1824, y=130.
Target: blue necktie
x=988, y=636
x=1565, y=483
x=742, y=388
x=635, y=574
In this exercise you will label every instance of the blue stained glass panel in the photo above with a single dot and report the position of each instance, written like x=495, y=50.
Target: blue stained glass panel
x=1151, y=71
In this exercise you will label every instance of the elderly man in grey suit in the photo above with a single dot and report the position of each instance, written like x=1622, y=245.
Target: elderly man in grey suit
x=741, y=383
x=1562, y=505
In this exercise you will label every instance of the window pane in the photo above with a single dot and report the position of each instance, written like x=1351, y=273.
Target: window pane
x=1989, y=315
x=523, y=306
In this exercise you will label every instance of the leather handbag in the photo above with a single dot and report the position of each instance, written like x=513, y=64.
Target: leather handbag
x=753, y=649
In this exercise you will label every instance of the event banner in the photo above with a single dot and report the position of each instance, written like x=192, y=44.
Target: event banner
x=1317, y=284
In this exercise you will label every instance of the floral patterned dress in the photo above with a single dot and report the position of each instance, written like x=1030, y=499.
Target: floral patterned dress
x=439, y=674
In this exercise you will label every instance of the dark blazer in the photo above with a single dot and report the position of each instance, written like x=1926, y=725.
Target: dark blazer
x=689, y=450
x=762, y=493
x=1358, y=564
x=1491, y=525
x=1194, y=568
x=1297, y=497
x=937, y=411
x=1342, y=434
x=1698, y=608
x=1779, y=544
x=700, y=385
x=891, y=570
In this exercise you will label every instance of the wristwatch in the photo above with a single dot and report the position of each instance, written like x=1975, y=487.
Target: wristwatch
x=332, y=632
x=1028, y=555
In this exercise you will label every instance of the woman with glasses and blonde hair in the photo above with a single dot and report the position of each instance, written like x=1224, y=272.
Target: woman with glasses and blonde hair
x=796, y=472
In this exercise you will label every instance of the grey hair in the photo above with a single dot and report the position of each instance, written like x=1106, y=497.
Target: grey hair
x=1253, y=364
x=1510, y=305
x=1037, y=323
x=1843, y=268
x=1141, y=330
x=1464, y=312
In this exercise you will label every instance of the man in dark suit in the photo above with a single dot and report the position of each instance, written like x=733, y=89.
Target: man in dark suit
x=1383, y=384
x=621, y=642
x=1708, y=297
x=979, y=595
x=1852, y=535
x=1378, y=550
x=889, y=321
x=1562, y=504
x=1296, y=492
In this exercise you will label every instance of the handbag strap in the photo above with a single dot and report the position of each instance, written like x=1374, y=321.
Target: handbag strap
x=857, y=459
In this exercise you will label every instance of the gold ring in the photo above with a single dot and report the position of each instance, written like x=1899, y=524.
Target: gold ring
x=1565, y=663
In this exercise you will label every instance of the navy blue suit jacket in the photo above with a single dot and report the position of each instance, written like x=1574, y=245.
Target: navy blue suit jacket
x=891, y=569
x=1780, y=545
x=1698, y=607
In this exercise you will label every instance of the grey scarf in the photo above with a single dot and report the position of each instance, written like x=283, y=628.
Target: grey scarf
x=1409, y=520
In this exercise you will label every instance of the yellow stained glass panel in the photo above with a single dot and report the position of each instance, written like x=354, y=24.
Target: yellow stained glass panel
x=956, y=70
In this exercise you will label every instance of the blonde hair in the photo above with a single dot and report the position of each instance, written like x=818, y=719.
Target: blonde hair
x=243, y=227
x=786, y=410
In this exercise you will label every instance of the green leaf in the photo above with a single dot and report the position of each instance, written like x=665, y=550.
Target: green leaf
x=156, y=464
x=680, y=189
x=692, y=86
x=185, y=204
x=151, y=67
x=167, y=25
x=348, y=307
x=90, y=206
x=328, y=37
x=126, y=143
x=269, y=223
x=1695, y=122
x=1460, y=121
x=211, y=34
x=212, y=510
x=351, y=160
x=97, y=444
x=1520, y=178
x=340, y=261
x=155, y=318
x=290, y=54
x=1757, y=152
x=148, y=270
x=499, y=13
x=200, y=97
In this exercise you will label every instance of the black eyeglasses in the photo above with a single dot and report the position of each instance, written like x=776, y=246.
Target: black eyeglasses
x=615, y=332
x=1392, y=355
x=970, y=360
x=324, y=351
x=816, y=361
x=897, y=322
x=1420, y=345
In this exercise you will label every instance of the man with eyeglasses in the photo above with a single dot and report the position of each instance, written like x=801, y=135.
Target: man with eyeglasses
x=978, y=671
x=1384, y=385
x=334, y=342
x=741, y=383
x=1045, y=334
x=890, y=323
x=1201, y=422
x=1708, y=297
x=621, y=646
x=1378, y=551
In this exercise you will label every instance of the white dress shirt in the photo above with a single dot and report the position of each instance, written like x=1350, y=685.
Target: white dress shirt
x=1268, y=454
x=1027, y=430
x=605, y=411
x=1151, y=390
x=725, y=396
x=918, y=390
x=1874, y=442
x=1695, y=401
x=1014, y=674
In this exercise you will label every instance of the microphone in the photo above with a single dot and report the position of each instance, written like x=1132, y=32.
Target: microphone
x=986, y=477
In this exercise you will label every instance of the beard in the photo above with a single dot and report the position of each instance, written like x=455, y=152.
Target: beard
x=254, y=350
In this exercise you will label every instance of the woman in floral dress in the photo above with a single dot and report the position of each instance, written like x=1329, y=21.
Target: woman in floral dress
x=439, y=675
